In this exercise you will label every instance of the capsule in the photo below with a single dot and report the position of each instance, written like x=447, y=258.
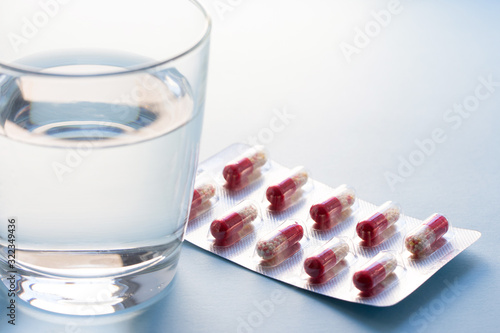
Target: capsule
x=226, y=229
x=388, y=281
x=202, y=194
x=326, y=257
x=243, y=166
x=279, y=241
x=422, y=238
x=384, y=217
x=278, y=194
x=375, y=271
x=331, y=209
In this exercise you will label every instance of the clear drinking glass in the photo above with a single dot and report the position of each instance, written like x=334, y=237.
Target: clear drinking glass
x=101, y=107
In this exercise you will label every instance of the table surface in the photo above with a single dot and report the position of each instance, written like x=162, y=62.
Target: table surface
x=304, y=79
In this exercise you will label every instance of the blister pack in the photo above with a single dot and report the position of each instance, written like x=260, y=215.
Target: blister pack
x=281, y=223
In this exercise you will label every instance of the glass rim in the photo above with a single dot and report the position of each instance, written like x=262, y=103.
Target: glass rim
x=140, y=68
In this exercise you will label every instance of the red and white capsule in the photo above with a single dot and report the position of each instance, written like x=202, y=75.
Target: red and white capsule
x=423, y=237
x=375, y=271
x=331, y=209
x=326, y=257
x=384, y=217
x=279, y=194
x=244, y=165
x=279, y=241
x=202, y=194
x=227, y=228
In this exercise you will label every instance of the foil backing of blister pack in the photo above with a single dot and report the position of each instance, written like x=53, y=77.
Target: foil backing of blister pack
x=412, y=274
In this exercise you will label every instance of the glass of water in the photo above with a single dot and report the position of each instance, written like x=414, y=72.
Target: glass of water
x=101, y=107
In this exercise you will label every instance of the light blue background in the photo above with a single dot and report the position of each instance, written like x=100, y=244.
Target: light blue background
x=352, y=122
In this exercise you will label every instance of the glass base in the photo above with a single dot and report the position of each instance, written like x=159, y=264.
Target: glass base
x=89, y=296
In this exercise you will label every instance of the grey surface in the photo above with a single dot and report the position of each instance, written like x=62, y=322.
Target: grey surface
x=352, y=122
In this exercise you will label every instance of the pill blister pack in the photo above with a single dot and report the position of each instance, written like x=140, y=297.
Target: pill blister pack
x=283, y=224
